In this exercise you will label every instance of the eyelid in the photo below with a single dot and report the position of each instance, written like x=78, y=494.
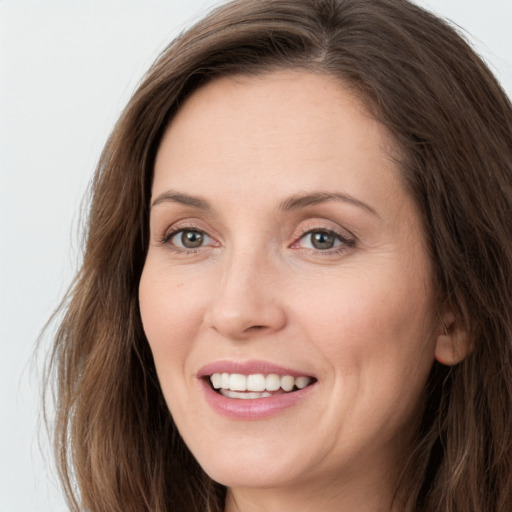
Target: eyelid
x=347, y=239
x=319, y=224
x=177, y=227
x=206, y=239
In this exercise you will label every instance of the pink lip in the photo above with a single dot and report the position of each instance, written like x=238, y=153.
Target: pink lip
x=248, y=368
x=251, y=409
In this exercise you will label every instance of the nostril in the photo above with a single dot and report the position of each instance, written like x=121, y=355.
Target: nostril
x=255, y=328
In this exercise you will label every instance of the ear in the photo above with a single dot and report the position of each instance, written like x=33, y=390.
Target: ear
x=452, y=345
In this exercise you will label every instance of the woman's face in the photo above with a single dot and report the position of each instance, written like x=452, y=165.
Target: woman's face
x=285, y=253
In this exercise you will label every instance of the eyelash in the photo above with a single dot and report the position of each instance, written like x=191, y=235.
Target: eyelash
x=345, y=242
x=168, y=236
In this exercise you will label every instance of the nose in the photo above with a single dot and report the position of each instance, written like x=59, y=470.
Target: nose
x=247, y=301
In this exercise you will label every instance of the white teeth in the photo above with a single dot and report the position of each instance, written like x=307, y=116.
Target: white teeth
x=272, y=382
x=237, y=382
x=244, y=396
x=302, y=382
x=287, y=382
x=255, y=385
x=256, y=382
x=216, y=380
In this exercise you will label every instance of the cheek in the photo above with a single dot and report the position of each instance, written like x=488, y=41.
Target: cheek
x=170, y=312
x=372, y=328
x=357, y=305
x=379, y=347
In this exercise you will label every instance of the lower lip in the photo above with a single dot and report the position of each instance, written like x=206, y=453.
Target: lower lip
x=252, y=409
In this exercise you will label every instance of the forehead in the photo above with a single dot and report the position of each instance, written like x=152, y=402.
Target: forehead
x=289, y=130
x=286, y=101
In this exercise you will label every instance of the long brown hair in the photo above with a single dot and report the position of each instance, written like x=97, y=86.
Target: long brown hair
x=116, y=444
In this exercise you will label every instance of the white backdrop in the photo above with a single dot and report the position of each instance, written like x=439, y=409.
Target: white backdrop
x=66, y=70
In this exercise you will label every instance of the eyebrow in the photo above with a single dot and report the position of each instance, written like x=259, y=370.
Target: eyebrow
x=185, y=199
x=295, y=202
x=299, y=201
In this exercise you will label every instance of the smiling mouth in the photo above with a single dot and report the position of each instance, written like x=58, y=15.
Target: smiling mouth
x=254, y=386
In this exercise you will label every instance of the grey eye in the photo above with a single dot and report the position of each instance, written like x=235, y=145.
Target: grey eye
x=192, y=239
x=322, y=240
x=189, y=239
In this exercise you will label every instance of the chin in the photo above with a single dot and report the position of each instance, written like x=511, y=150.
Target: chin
x=244, y=475
x=251, y=468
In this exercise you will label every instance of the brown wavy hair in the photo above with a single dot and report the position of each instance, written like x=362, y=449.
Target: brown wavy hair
x=117, y=447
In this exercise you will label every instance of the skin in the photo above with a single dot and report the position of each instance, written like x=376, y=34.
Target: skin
x=360, y=317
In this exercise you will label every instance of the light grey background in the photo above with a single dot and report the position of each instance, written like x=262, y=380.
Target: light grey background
x=66, y=70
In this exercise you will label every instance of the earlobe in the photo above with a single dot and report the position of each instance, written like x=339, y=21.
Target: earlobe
x=452, y=345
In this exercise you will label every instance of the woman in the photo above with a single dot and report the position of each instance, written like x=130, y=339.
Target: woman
x=295, y=293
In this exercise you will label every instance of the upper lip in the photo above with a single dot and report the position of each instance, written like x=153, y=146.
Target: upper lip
x=249, y=368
